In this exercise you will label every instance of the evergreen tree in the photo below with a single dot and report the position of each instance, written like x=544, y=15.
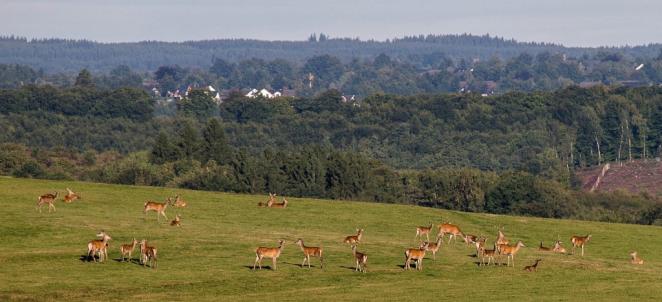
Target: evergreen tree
x=163, y=150
x=189, y=142
x=214, y=144
x=84, y=79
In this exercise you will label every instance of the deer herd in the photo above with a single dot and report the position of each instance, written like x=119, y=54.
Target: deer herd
x=501, y=246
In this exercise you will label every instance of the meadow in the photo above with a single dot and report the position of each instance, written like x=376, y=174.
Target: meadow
x=210, y=257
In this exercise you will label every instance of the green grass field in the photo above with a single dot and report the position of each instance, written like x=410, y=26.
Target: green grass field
x=210, y=256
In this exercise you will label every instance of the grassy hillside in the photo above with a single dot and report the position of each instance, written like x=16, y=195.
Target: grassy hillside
x=209, y=257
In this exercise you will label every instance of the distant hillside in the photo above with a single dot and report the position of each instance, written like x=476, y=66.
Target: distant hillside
x=637, y=176
x=70, y=55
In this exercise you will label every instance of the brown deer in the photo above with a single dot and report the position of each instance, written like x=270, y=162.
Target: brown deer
x=272, y=199
x=544, y=249
x=423, y=230
x=280, y=204
x=147, y=253
x=309, y=251
x=268, y=252
x=47, y=198
x=451, y=229
x=433, y=247
x=354, y=239
x=510, y=251
x=177, y=221
x=157, y=207
x=361, y=260
x=415, y=254
x=71, y=196
x=470, y=239
x=579, y=241
x=480, y=245
x=179, y=202
x=634, y=259
x=558, y=248
x=533, y=267
x=99, y=246
x=127, y=249
x=489, y=254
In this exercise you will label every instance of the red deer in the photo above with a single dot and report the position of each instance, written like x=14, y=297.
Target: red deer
x=470, y=239
x=99, y=246
x=361, y=260
x=179, y=202
x=268, y=252
x=434, y=247
x=127, y=249
x=451, y=229
x=177, y=221
x=272, y=199
x=510, y=251
x=309, y=251
x=147, y=253
x=423, y=230
x=158, y=207
x=634, y=259
x=280, y=204
x=533, y=267
x=489, y=254
x=579, y=241
x=71, y=196
x=558, y=248
x=354, y=239
x=415, y=254
x=47, y=198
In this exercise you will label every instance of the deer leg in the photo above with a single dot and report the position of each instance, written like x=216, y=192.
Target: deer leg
x=52, y=205
x=273, y=260
x=255, y=263
x=427, y=236
x=582, y=250
x=164, y=215
x=308, y=261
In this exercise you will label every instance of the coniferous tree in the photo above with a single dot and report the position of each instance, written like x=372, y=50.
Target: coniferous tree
x=214, y=145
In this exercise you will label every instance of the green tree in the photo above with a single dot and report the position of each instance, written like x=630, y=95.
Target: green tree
x=214, y=144
x=84, y=79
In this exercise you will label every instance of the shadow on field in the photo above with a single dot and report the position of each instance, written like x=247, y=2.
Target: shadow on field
x=264, y=267
x=131, y=261
x=348, y=267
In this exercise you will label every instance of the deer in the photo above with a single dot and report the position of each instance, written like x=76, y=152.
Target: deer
x=480, y=245
x=361, y=260
x=272, y=199
x=470, y=239
x=501, y=240
x=99, y=246
x=179, y=202
x=158, y=207
x=354, y=239
x=558, y=248
x=309, y=251
x=177, y=221
x=489, y=254
x=433, y=247
x=268, y=252
x=71, y=196
x=447, y=228
x=147, y=253
x=533, y=267
x=47, y=198
x=510, y=251
x=634, y=259
x=127, y=249
x=544, y=249
x=279, y=204
x=415, y=254
x=579, y=241
x=423, y=230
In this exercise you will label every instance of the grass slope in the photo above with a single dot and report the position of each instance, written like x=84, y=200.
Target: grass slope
x=209, y=257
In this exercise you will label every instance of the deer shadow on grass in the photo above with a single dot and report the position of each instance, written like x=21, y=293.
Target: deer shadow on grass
x=257, y=268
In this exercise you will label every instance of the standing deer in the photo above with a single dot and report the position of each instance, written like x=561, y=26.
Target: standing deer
x=510, y=251
x=423, y=230
x=415, y=254
x=127, y=249
x=533, y=267
x=147, y=253
x=451, y=229
x=179, y=202
x=558, y=248
x=280, y=204
x=158, y=207
x=309, y=251
x=489, y=254
x=579, y=241
x=99, y=246
x=433, y=247
x=268, y=252
x=361, y=260
x=480, y=245
x=354, y=239
x=634, y=259
x=470, y=239
x=177, y=221
x=47, y=198
x=71, y=196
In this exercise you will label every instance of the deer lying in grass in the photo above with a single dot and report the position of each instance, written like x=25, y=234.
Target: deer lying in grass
x=99, y=246
x=147, y=253
x=634, y=259
x=268, y=252
x=510, y=251
x=272, y=199
x=354, y=239
x=544, y=249
x=47, y=198
x=157, y=207
x=177, y=221
x=451, y=229
x=279, y=204
x=127, y=249
x=579, y=241
x=433, y=247
x=309, y=251
x=415, y=254
x=179, y=202
x=558, y=248
x=533, y=267
x=71, y=196
x=361, y=260
x=423, y=230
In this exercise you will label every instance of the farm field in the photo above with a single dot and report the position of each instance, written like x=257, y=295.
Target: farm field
x=210, y=257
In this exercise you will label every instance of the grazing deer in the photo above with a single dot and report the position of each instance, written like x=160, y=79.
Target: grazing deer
x=99, y=246
x=179, y=202
x=272, y=199
x=415, y=254
x=47, y=198
x=71, y=196
x=433, y=247
x=533, y=267
x=158, y=207
x=310, y=251
x=268, y=252
x=354, y=239
x=280, y=204
x=544, y=249
x=489, y=254
x=423, y=230
x=177, y=221
x=127, y=249
x=447, y=228
x=634, y=259
x=558, y=248
x=579, y=241
x=510, y=251
x=361, y=260
x=147, y=253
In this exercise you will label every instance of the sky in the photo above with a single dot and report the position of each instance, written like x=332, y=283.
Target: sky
x=567, y=22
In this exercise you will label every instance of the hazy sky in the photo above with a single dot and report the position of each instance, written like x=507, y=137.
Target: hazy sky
x=570, y=22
